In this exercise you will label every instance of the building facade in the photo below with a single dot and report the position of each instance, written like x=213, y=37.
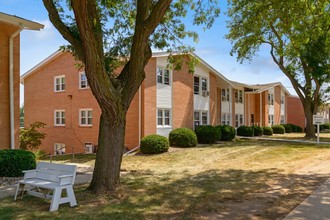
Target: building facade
x=57, y=93
x=10, y=28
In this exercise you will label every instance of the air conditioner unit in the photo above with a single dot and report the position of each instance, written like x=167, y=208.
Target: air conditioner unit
x=205, y=93
x=89, y=149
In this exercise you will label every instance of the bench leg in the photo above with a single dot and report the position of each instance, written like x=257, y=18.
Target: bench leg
x=20, y=187
x=72, y=198
x=55, y=199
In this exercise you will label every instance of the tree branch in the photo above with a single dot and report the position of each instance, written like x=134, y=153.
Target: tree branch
x=65, y=31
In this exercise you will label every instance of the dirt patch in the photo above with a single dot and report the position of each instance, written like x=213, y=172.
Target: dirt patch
x=276, y=202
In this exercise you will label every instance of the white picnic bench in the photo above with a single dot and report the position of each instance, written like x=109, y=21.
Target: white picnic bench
x=47, y=178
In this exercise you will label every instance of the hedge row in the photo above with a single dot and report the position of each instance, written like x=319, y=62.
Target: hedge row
x=208, y=134
x=13, y=162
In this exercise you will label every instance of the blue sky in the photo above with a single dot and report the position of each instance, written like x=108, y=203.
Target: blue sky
x=212, y=46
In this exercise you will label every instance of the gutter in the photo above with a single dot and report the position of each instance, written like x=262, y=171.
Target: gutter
x=11, y=86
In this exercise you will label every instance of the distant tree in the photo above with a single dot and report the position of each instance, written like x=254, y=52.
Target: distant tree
x=31, y=138
x=105, y=34
x=21, y=116
x=297, y=33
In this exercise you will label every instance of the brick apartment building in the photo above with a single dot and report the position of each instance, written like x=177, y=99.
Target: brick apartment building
x=57, y=93
x=10, y=28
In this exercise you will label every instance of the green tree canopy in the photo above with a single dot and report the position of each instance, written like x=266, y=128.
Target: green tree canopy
x=105, y=34
x=297, y=34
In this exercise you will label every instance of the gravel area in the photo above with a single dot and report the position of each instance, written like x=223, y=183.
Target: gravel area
x=7, y=181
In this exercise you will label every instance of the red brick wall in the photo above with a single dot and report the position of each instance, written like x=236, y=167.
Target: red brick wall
x=182, y=98
x=149, y=99
x=41, y=101
x=5, y=31
x=277, y=105
x=295, y=111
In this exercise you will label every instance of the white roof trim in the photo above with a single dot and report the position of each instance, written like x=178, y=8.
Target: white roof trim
x=14, y=20
x=42, y=63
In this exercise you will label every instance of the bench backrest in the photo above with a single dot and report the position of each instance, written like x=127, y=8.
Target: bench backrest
x=51, y=171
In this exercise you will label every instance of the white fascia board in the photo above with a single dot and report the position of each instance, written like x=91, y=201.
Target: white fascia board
x=41, y=64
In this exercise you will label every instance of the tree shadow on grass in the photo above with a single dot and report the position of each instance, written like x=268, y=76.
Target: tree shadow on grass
x=229, y=194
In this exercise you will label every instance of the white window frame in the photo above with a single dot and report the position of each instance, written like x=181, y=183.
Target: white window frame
x=163, y=118
x=282, y=99
x=270, y=99
x=270, y=120
x=282, y=120
x=200, y=118
x=239, y=120
x=59, y=148
x=61, y=118
x=86, y=85
x=86, y=110
x=162, y=70
x=226, y=119
x=202, y=88
x=61, y=84
x=225, y=95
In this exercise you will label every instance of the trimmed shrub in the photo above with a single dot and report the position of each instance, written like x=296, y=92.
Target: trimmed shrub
x=267, y=130
x=154, y=144
x=257, y=130
x=219, y=134
x=287, y=127
x=183, y=137
x=296, y=128
x=325, y=126
x=245, y=131
x=13, y=162
x=206, y=134
x=227, y=133
x=278, y=129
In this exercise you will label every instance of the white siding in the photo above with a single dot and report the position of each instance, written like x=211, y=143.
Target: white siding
x=164, y=97
x=201, y=102
x=283, y=105
x=239, y=108
x=164, y=131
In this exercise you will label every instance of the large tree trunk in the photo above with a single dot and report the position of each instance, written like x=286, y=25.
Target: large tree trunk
x=310, y=128
x=106, y=175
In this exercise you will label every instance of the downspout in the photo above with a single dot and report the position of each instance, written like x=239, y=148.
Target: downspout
x=11, y=86
x=261, y=110
x=140, y=102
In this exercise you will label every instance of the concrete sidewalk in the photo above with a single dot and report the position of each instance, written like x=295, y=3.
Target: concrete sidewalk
x=316, y=206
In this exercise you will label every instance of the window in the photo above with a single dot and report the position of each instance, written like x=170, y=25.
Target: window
x=85, y=117
x=282, y=119
x=238, y=120
x=196, y=85
x=270, y=99
x=163, y=117
x=59, y=117
x=225, y=119
x=59, y=148
x=196, y=119
x=241, y=120
x=83, y=83
x=240, y=96
x=225, y=96
x=59, y=83
x=204, y=84
x=282, y=99
x=252, y=119
x=270, y=120
x=200, y=81
x=204, y=118
x=163, y=76
x=200, y=118
x=236, y=95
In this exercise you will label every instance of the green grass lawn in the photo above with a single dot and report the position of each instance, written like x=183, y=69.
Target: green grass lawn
x=200, y=182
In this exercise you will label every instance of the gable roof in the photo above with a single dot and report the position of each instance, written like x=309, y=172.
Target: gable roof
x=203, y=62
x=18, y=21
x=41, y=64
